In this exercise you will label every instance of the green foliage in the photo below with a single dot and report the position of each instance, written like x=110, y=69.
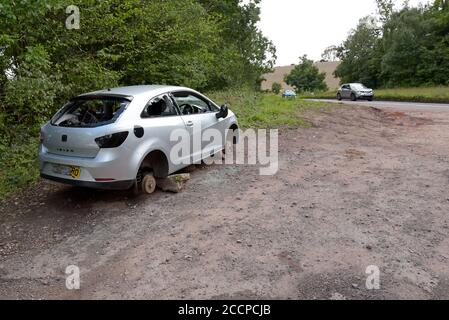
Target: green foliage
x=306, y=77
x=276, y=88
x=260, y=110
x=18, y=164
x=409, y=48
x=330, y=53
x=359, y=54
x=385, y=9
x=196, y=43
x=28, y=97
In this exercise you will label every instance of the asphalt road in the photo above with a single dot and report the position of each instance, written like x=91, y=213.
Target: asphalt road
x=392, y=104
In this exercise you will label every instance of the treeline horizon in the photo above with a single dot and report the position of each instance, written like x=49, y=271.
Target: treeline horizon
x=408, y=47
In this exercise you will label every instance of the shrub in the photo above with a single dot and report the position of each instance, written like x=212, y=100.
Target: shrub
x=276, y=88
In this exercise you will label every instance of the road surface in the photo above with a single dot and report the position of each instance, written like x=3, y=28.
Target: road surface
x=410, y=106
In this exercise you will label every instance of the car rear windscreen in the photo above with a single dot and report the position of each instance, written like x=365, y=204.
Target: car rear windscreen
x=90, y=112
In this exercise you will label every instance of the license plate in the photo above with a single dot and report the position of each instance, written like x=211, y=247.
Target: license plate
x=69, y=171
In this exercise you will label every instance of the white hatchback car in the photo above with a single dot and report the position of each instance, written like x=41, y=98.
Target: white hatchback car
x=119, y=138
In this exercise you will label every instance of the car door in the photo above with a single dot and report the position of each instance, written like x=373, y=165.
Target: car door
x=200, y=122
x=345, y=91
x=160, y=118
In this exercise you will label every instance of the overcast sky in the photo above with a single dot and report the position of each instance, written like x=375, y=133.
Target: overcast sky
x=299, y=27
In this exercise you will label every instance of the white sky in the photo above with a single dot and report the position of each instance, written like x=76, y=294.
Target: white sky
x=299, y=27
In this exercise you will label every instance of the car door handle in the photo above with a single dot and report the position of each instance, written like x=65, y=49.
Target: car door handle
x=190, y=123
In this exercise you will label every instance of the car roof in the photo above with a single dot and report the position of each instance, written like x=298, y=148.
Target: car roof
x=134, y=91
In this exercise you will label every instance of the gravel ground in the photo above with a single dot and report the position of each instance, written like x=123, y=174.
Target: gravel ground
x=362, y=187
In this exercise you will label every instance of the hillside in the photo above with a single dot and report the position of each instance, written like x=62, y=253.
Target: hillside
x=280, y=72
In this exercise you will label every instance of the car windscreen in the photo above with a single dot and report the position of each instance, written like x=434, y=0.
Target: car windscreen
x=90, y=112
x=358, y=86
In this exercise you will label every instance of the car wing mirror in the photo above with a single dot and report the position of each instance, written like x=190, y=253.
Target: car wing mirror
x=223, y=113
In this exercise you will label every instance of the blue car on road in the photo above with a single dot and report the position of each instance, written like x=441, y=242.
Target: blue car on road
x=289, y=94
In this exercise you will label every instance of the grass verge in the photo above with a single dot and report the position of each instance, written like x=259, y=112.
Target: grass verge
x=431, y=94
x=262, y=110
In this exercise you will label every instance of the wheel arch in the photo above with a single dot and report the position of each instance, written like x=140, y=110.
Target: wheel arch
x=234, y=126
x=234, y=129
x=157, y=161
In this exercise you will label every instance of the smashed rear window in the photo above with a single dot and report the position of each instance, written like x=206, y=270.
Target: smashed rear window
x=90, y=112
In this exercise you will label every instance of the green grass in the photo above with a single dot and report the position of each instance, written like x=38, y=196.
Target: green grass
x=431, y=94
x=262, y=110
x=319, y=95
x=424, y=94
x=19, y=164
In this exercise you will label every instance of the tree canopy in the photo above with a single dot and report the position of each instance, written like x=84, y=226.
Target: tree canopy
x=276, y=87
x=405, y=47
x=306, y=77
x=204, y=44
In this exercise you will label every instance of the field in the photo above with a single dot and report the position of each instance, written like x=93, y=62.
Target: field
x=424, y=94
x=19, y=165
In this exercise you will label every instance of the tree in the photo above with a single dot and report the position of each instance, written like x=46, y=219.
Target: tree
x=330, y=54
x=403, y=36
x=243, y=52
x=361, y=54
x=306, y=77
x=441, y=4
x=276, y=88
x=385, y=9
x=409, y=48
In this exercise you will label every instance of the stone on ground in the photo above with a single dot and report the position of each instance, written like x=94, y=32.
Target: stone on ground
x=174, y=183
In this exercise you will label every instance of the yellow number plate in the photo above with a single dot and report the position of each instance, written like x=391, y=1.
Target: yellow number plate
x=75, y=172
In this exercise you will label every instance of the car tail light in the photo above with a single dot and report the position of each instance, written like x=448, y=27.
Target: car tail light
x=41, y=137
x=112, y=140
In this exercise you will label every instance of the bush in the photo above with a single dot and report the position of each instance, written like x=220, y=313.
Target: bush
x=276, y=88
x=18, y=164
x=306, y=77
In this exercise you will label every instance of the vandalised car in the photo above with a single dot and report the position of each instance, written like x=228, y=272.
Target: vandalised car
x=355, y=91
x=122, y=138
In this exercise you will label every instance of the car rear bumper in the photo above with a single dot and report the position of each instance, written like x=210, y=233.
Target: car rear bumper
x=113, y=185
x=109, y=166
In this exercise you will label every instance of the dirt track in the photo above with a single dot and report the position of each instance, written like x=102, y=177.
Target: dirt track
x=363, y=187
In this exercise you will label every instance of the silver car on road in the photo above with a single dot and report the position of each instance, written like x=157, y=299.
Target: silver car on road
x=119, y=138
x=355, y=91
